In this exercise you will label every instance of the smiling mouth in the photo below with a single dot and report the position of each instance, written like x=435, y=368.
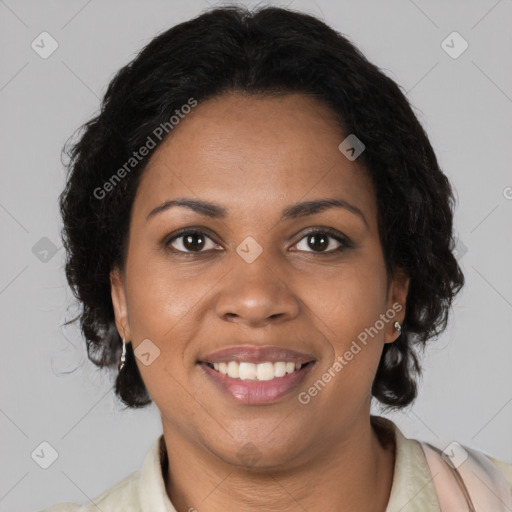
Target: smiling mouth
x=247, y=371
x=252, y=374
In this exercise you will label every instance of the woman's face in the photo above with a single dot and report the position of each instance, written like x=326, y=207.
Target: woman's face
x=253, y=279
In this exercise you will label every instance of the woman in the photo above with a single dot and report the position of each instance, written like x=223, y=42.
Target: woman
x=258, y=229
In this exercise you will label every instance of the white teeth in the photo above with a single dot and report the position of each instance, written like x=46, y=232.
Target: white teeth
x=265, y=371
x=260, y=371
x=233, y=369
x=246, y=371
x=280, y=369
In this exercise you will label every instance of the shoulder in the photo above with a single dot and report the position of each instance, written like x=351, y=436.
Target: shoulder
x=413, y=446
x=124, y=493
x=144, y=485
x=416, y=466
x=504, y=467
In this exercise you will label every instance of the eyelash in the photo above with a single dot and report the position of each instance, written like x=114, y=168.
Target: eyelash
x=344, y=241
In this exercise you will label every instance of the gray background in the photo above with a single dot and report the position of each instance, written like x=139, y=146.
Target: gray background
x=51, y=392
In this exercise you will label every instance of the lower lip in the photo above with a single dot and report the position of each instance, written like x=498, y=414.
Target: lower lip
x=255, y=391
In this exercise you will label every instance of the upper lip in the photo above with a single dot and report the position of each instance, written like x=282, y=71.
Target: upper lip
x=254, y=354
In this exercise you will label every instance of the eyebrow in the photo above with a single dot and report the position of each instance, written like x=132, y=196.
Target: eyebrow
x=291, y=212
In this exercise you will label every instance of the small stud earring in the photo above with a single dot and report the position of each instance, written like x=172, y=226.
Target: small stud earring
x=398, y=327
x=123, y=356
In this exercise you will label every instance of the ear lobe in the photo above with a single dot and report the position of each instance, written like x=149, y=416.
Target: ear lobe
x=398, y=291
x=119, y=304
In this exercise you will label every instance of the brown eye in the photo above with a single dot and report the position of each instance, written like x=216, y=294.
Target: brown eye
x=321, y=242
x=191, y=241
x=318, y=242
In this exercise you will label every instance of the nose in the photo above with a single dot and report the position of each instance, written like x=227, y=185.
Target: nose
x=256, y=295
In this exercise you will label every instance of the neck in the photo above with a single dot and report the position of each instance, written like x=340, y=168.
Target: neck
x=354, y=474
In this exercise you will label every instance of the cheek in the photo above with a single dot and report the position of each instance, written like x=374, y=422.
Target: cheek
x=351, y=309
x=159, y=308
x=354, y=299
x=159, y=295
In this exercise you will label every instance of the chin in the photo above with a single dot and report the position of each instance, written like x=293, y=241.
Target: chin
x=264, y=452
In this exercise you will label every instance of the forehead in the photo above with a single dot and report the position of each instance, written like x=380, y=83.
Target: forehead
x=254, y=153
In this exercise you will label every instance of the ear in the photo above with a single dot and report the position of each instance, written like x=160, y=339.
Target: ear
x=397, y=296
x=117, y=291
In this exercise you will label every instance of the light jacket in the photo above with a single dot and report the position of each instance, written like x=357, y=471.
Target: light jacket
x=413, y=488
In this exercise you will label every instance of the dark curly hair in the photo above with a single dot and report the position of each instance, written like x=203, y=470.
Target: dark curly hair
x=270, y=51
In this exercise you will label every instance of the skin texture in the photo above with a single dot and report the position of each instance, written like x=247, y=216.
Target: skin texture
x=254, y=156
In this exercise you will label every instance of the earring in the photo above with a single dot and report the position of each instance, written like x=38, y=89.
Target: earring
x=398, y=327
x=123, y=356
